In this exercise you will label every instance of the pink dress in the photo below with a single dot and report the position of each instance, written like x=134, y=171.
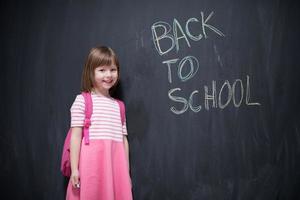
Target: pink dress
x=103, y=166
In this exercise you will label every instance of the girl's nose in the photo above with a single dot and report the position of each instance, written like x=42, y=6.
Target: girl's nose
x=108, y=73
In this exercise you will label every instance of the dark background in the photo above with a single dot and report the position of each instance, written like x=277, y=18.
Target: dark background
x=246, y=152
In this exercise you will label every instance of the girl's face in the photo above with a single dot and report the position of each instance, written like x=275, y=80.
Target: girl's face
x=105, y=77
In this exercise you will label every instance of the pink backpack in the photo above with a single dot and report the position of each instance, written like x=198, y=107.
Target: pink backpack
x=65, y=166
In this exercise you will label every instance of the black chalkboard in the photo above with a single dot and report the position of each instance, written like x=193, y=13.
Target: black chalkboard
x=211, y=91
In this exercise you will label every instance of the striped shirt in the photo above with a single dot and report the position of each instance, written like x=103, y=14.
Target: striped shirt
x=105, y=120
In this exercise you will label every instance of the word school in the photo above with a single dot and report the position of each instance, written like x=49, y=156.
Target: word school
x=214, y=97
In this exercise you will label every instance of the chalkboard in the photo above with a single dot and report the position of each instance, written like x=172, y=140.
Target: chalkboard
x=211, y=91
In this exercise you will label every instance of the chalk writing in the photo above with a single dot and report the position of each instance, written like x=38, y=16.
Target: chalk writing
x=161, y=31
x=215, y=99
x=193, y=64
x=166, y=38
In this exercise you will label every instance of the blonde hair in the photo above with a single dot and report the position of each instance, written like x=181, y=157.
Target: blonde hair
x=98, y=56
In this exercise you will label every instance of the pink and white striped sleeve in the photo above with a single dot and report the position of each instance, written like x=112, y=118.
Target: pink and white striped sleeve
x=78, y=112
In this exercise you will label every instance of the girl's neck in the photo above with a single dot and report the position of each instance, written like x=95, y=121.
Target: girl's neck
x=100, y=93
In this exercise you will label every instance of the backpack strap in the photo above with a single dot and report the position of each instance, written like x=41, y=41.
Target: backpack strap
x=122, y=110
x=88, y=113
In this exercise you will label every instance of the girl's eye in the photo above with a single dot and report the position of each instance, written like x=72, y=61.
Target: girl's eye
x=101, y=70
x=113, y=70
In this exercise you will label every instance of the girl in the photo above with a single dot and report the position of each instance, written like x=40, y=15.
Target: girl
x=100, y=169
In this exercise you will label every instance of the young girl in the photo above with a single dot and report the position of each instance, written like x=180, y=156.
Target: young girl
x=100, y=169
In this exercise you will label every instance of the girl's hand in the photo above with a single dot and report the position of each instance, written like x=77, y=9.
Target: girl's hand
x=75, y=179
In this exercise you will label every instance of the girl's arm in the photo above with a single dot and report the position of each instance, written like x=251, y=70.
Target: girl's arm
x=126, y=149
x=74, y=154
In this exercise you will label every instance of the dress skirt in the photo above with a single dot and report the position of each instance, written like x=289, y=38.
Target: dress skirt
x=104, y=173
